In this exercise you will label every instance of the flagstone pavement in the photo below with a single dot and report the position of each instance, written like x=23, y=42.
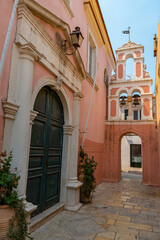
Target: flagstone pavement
x=126, y=210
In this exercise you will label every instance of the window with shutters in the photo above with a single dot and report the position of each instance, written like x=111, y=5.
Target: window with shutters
x=92, y=61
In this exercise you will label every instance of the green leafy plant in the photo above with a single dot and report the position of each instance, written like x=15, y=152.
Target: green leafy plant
x=18, y=226
x=8, y=181
x=87, y=167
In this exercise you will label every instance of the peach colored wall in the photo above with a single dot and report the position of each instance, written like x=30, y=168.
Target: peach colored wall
x=120, y=56
x=79, y=19
x=146, y=107
x=95, y=135
x=120, y=71
x=6, y=10
x=40, y=72
x=53, y=31
x=138, y=69
x=113, y=91
x=138, y=53
x=113, y=108
x=146, y=89
x=97, y=150
x=112, y=159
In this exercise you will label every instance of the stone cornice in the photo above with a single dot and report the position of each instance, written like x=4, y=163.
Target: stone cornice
x=26, y=9
x=131, y=82
x=128, y=122
x=10, y=109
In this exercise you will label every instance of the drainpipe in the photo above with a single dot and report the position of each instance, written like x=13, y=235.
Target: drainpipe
x=89, y=108
x=8, y=37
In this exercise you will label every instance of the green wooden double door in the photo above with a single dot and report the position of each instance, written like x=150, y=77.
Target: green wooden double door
x=44, y=172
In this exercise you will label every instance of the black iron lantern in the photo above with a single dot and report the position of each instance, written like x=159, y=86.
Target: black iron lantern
x=76, y=37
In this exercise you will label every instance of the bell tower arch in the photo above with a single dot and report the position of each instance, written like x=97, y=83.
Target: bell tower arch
x=129, y=116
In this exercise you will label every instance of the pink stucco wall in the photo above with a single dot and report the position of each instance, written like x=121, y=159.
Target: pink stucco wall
x=138, y=53
x=41, y=72
x=58, y=8
x=6, y=10
x=95, y=135
x=120, y=56
x=146, y=89
x=120, y=71
x=146, y=107
x=112, y=159
x=113, y=108
x=113, y=91
x=138, y=69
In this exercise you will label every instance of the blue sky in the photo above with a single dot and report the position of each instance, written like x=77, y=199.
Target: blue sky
x=142, y=16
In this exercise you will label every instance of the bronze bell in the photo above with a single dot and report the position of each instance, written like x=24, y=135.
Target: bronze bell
x=122, y=100
x=136, y=100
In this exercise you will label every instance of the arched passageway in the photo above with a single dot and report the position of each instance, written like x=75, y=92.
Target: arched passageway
x=131, y=153
x=112, y=160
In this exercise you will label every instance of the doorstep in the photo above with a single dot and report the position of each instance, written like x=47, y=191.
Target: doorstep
x=46, y=215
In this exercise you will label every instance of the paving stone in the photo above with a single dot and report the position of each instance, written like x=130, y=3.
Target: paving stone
x=88, y=237
x=126, y=210
x=134, y=225
x=149, y=213
x=145, y=235
x=144, y=221
x=122, y=236
x=109, y=234
x=156, y=229
x=116, y=216
x=60, y=234
x=99, y=220
x=125, y=230
x=82, y=227
x=111, y=221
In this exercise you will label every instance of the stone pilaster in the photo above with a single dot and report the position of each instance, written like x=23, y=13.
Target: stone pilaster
x=73, y=186
x=129, y=117
x=20, y=140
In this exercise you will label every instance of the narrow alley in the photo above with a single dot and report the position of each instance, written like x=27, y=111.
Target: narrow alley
x=121, y=211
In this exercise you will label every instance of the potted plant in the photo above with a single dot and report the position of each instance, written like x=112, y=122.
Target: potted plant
x=87, y=168
x=12, y=209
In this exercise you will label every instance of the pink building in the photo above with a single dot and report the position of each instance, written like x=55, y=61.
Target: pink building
x=50, y=99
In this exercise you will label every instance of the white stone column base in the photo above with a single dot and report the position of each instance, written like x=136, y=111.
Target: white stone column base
x=130, y=118
x=73, y=196
x=29, y=208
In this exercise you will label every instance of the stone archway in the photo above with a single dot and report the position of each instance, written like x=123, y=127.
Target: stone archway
x=112, y=161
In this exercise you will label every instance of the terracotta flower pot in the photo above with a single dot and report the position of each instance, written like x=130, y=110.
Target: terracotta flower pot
x=6, y=213
x=81, y=176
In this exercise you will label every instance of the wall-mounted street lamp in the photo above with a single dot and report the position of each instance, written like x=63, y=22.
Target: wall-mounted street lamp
x=76, y=39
